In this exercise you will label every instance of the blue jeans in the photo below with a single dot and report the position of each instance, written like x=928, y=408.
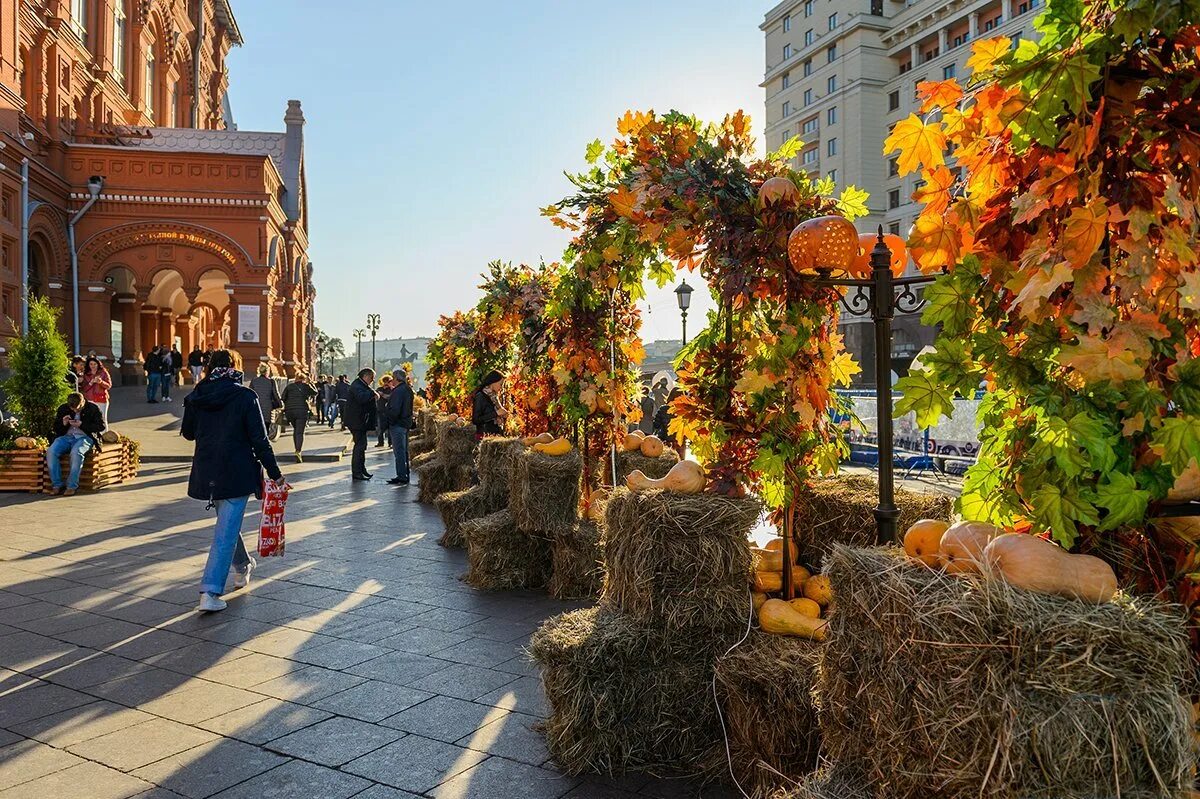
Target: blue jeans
x=400, y=450
x=331, y=412
x=153, y=381
x=227, y=547
x=78, y=446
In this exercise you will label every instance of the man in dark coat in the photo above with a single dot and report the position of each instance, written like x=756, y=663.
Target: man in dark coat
x=382, y=429
x=359, y=416
x=153, y=368
x=167, y=369
x=400, y=421
x=341, y=395
x=77, y=423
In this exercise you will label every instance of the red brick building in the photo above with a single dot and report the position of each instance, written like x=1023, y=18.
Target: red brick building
x=197, y=233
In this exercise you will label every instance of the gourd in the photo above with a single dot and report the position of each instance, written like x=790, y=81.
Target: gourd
x=556, y=448
x=1187, y=484
x=633, y=441
x=962, y=545
x=777, y=189
x=25, y=442
x=1034, y=564
x=778, y=617
x=758, y=598
x=776, y=545
x=923, y=539
x=110, y=437
x=685, y=477
x=651, y=446
x=806, y=607
x=771, y=582
x=819, y=589
x=769, y=560
x=540, y=438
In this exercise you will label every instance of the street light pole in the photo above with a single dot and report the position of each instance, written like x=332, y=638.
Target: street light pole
x=359, y=334
x=373, y=326
x=683, y=293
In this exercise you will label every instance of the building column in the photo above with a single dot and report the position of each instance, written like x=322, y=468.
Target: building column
x=973, y=25
x=166, y=327
x=291, y=363
x=943, y=40
x=275, y=346
x=148, y=324
x=129, y=308
x=95, y=314
x=183, y=329
x=914, y=53
x=249, y=325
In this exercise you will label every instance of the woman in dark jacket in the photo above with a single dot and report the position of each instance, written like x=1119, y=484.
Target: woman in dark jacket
x=224, y=419
x=296, y=397
x=487, y=414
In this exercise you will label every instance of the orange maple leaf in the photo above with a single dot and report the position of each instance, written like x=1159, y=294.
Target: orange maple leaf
x=1098, y=359
x=985, y=54
x=632, y=123
x=938, y=94
x=935, y=193
x=1084, y=231
x=933, y=243
x=624, y=200
x=920, y=144
x=738, y=123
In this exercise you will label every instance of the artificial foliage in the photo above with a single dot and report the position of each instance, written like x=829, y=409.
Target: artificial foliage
x=39, y=362
x=449, y=355
x=531, y=388
x=1067, y=230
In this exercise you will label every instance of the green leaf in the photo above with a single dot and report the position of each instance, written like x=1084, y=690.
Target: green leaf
x=1124, y=501
x=1179, y=440
x=1059, y=511
x=774, y=492
x=594, y=151
x=922, y=396
x=853, y=202
x=951, y=366
x=1187, y=391
x=949, y=301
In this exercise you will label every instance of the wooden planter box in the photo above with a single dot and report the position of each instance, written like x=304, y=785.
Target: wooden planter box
x=26, y=469
x=22, y=469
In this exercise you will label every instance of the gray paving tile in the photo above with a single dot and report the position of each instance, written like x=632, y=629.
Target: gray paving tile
x=150, y=643
x=140, y=688
x=264, y=721
x=339, y=654
x=26, y=651
x=81, y=723
x=335, y=742
x=298, y=780
x=478, y=652
x=210, y=767
x=308, y=684
x=195, y=657
x=7, y=738
x=108, y=633
x=373, y=700
x=502, y=630
x=398, y=667
x=92, y=669
x=513, y=736
x=447, y=619
x=414, y=763
x=422, y=640
x=248, y=670
x=500, y=777
x=199, y=700
x=386, y=792
x=141, y=744
x=82, y=781
x=462, y=681
x=444, y=718
x=27, y=760
x=524, y=695
x=36, y=700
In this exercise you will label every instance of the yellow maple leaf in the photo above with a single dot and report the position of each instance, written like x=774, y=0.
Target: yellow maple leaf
x=1189, y=291
x=842, y=368
x=1084, y=231
x=933, y=243
x=938, y=94
x=1098, y=359
x=1041, y=284
x=632, y=123
x=624, y=200
x=985, y=53
x=807, y=412
x=753, y=380
x=920, y=144
x=935, y=193
x=611, y=253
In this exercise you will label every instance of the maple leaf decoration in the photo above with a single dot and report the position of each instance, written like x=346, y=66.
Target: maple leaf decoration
x=920, y=144
x=1097, y=360
x=632, y=123
x=935, y=193
x=933, y=243
x=1083, y=232
x=624, y=200
x=985, y=53
x=938, y=94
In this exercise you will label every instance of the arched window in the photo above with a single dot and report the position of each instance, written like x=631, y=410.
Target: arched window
x=151, y=84
x=120, y=34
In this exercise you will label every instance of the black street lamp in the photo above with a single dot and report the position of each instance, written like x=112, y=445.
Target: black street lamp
x=373, y=326
x=683, y=293
x=359, y=334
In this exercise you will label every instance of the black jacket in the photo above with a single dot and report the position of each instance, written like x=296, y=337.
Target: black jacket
x=484, y=415
x=295, y=399
x=196, y=358
x=341, y=391
x=224, y=420
x=360, y=407
x=153, y=363
x=662, y=421
x=92, y=421
x=400, y=407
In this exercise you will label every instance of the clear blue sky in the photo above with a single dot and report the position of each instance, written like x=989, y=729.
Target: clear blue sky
x=437, y=130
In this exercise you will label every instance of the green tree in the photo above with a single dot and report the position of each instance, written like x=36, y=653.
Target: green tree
x=38, y=361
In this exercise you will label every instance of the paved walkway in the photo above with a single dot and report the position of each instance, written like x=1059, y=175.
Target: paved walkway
x=356, y=666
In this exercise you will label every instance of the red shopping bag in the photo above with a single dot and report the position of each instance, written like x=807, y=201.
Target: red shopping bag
x=271, y=531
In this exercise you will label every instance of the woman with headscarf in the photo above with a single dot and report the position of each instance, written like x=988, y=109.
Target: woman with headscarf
x=487, y=414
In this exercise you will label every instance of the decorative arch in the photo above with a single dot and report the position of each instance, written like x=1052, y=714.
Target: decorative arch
x=231, y=256
x=47, y=224
x=273, y=252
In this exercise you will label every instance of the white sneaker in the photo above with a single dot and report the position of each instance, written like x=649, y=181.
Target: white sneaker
x=242, y=579
x=211, y=603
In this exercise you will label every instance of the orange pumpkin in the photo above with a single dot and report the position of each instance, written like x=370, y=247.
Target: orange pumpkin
x=826, y=242
x=778, y=190
x=866, y=242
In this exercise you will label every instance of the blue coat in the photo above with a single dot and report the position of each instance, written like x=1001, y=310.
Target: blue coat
x=225, y=421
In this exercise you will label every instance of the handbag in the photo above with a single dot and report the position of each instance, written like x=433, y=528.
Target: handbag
x=271, y=531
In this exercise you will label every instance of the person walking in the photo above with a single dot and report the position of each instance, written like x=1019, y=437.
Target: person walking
x=77, y=423
x=359, y=417
x=296, y=396
x=400, y=421
x=320, y=401
x=152, y=365
x=331, y=402
x=96, y=385
x=487, y=414
x=341, y=391
x=223, y=418
x=196, y=364
x=166, y=373
x=382, y=429
x=268, y=394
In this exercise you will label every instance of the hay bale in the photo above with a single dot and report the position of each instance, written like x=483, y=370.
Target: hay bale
x=419, y=445
x=653, y=468
x=544, y=490
x=840, y=510
x=500, y=556
x=577, y=566
x=765, y=686
x=628, y=697
x=679, y=560
x=417, y=461
x=931, y=685
x=457, y=443
x=829, y=783
x=436, y=477
x=493, y=463
x=457, y=507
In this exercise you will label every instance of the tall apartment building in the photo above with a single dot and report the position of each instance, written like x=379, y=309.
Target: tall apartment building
x=840, y=73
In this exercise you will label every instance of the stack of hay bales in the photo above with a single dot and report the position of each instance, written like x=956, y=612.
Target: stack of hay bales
x=493, y=462
x=628, y=682
x=654, y=468
x=932, y=685
x=512, y=548
x=429, y=433
x=576, y=563
x=452, y=467
x=420, y=438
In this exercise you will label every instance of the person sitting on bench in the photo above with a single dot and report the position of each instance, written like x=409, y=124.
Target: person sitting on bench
x=77, y=426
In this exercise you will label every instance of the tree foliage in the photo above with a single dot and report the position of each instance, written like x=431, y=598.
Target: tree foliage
x=39, y=362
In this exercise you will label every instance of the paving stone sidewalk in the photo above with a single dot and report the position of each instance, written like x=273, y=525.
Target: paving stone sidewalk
x=359, y=665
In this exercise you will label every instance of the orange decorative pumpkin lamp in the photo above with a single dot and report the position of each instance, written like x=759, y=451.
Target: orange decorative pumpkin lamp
x=777, y=190
x=826, y=242
x=866, y=242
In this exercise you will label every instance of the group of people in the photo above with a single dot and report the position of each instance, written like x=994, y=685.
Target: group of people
x=91, y=378
x=367, y=409
x=162, y=365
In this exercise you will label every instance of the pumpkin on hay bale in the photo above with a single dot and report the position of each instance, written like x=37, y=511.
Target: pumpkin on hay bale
x=679, y=560
x=577, y=569
x=500, y=556
x=932, y=684
x=544, y=490
x=841, y=510
x=436, y=477
x=654, y=468
x=457, y=507
x=493, y=463
x=764, y=686
x=628, y=697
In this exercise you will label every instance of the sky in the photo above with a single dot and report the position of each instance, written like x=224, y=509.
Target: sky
x=435, y=132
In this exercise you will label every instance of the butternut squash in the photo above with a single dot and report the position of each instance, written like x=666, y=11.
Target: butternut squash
x=685, y=477
x=1034, y=564
x=556, y=448
x=633, y=441
x=540, y=438
x=651, y=446
x=768, y=560
x=778, y=617
x=962, y=545
x=770, y=582
x=806, y=607
x=758, y=598
x=921, y=541
x=819, y=589
x=776, y=545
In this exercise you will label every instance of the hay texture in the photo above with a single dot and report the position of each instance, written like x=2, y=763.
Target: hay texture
x=654, y=468
x=679, y=560
x=764, y=687
x=418, y=461
x=457, y=507
x=493, y=464
x=577, y=568
x=824, y=784
x=436, y=477
x=627, y=697
x=932, y=685
x=456, y=443
x=840, y=510
x=544, y=490
x=419, y=444
x=502, y=557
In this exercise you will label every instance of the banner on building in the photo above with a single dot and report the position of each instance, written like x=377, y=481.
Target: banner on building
x=249, y=317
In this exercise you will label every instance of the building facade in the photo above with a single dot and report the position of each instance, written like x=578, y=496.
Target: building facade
x=840, y=73
x=143, y=213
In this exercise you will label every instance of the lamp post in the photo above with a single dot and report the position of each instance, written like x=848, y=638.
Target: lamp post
x=359, y=334
x=683, y=293
x=373, y=326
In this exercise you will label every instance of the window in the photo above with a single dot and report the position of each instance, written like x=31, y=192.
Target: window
x=831, y=116
x=79, y=14
x=877, y=8
x=833, y=21
x=917, y=88
x=831, y=147
x=808, y=67
x=808, y=37
x=831, y=54
x=787, y=109
x=831, y=84
x=894, y=228
x=993, y=22
x=808, y=97
x=785, y=138
x=893, y=100
x=948, y=71
x=832, y=175
x=962, y=38
x=150, y=86
x=810, y=156
x=173, y=120
x=118, y=45
x=810, y=126
x=808, y=8
x=893, y=167
x=787, y=22
x=905, y=66
x=786, y=80
x=787, y=52
x=1023, y=8
x=894, y=198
